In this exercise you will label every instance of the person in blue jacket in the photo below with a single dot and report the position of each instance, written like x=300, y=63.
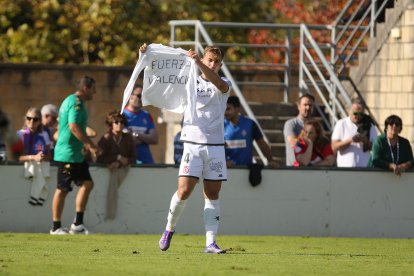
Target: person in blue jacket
x=239, y=134
x=141, y=125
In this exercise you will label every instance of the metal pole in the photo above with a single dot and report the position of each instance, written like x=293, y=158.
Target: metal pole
x=301, y=61
x=373, y=12
x=288, y=69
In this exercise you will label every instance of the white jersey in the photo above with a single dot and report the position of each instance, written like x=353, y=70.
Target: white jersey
x=204, y=115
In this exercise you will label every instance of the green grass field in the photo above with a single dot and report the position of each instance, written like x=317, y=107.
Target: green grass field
x=99, y=254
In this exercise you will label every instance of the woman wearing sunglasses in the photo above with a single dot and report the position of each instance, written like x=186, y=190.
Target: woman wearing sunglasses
x=36, y=143
x=390, y=151
x=118, y=153
x=36, y=155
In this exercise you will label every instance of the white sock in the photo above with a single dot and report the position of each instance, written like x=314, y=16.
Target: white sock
x=211, y=219
x=176, y=209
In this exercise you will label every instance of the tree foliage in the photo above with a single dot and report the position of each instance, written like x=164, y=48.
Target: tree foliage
x=313, y=12
x=105, y=31
x=110, y=31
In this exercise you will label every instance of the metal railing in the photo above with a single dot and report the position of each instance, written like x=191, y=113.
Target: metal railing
x=202, y=39
x=317, y=73
x=286, y=44
x=197, y=37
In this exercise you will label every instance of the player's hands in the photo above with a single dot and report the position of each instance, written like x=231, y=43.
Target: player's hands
x=192, y=54
x=95, y=151
x=143, y=48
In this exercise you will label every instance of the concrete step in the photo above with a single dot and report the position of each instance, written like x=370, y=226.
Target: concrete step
x=272, y=117
x=274, y=135
x=273, y=109
x=278, y=149
x=274, y=123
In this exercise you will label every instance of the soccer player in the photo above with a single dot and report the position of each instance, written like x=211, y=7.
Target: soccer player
x=203, y=155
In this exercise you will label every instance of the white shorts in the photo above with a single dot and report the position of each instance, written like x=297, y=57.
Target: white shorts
x=203, y=161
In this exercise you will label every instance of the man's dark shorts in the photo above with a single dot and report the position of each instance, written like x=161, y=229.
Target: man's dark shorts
x=69, y=173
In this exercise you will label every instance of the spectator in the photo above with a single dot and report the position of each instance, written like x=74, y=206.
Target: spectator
x=352, y=137
x=178, y=147
x=118, y=153
x=4, y=124
x=141, y=124
x=390, y=151
x=312, y=147
x=35, y=140
x=36, y=155
x=239, y=133
x=49, y=122
x=72, y=167
x=294, y=126
x=49, y=119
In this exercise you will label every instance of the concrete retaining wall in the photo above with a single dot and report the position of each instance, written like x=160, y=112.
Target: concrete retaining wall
x=288, y=202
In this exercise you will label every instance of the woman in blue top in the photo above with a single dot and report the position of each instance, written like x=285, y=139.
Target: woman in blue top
x=36, y=144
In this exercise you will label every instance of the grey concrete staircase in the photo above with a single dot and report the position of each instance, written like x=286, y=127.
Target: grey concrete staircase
x=272, y=117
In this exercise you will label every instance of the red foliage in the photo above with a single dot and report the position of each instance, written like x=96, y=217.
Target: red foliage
x=315, y=13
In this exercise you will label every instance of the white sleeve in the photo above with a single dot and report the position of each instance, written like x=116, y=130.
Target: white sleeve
x=336, y=133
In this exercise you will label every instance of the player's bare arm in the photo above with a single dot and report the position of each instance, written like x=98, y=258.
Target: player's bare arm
x=210, y=69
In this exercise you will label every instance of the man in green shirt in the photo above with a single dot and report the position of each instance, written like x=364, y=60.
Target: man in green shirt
x=72, y=167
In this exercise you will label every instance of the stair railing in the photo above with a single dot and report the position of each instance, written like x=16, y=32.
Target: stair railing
x=320, y=74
